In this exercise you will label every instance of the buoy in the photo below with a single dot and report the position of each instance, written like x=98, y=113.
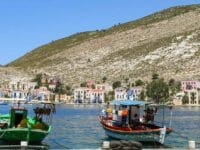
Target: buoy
x=191, y=144
x=24, y=143
x=106, y=145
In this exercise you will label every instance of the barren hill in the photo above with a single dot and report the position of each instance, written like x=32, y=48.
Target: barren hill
x=9, y=73
x=166, y=42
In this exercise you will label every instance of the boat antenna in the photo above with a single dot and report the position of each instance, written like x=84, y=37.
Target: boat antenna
x=171, y=113
x=163, y=113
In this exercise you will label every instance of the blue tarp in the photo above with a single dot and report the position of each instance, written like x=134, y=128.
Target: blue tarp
x=128, y=102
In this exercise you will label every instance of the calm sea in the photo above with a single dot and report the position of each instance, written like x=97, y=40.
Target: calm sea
x=77, y=126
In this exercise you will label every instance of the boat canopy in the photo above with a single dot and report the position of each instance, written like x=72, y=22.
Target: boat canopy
x=128, y=102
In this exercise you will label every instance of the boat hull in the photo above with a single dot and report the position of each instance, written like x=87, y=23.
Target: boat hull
x=23, y=134
x=125, y=133
x=135, y=136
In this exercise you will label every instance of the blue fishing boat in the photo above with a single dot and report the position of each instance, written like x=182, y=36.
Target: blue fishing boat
x=122, y=120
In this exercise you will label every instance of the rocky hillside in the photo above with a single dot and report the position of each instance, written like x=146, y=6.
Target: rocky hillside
x=10, y=73
x=166, y=42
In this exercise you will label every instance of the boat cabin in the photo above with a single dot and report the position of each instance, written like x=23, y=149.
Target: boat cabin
x=17, y=115
x=128, y=113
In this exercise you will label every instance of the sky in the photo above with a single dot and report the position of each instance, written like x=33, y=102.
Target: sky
x=28, y=24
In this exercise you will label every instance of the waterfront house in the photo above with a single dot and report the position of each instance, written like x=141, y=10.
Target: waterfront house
x=136, y=92
x=52, y=86
x=105, y=86
x=177, y=99
x=63, y=98
x=97, y=95
x=19, y=94
x=82, y=95
x=41, y=94
x=17, y=89
x=20, y=85
x=88, y=95
x=90, y=83
x=190, y=84
x=6, y=93
x=194, y=96
x=47, y=79
x=120, y=93
x=133, y=93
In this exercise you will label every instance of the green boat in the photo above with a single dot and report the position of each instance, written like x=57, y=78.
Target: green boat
x=17, y=126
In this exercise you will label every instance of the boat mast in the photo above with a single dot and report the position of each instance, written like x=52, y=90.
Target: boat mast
x=163, y=114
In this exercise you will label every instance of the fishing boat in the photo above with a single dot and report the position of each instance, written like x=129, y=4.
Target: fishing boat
x=17, y=126
x=123, y=122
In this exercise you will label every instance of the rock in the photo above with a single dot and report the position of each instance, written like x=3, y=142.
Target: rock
x=114, y=144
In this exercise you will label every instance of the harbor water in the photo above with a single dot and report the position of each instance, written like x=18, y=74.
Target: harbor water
x=77, y=126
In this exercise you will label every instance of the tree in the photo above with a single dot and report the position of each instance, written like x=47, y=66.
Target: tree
x=68, y=87
x=155, y=76
x=83, y=84
x=116, y=84
x=174, y=87
x=139, y=82
x=158, y=90
x=192, y=97
x=104, y=79
x=38, y=80
x=133, y=84
x=171, y=82
x=142, y=95
x=111, y=95
x=185, y=99
x=126, y=80
x=93, y=86
x=68, y=90
x=106, y=98
x=59, y=88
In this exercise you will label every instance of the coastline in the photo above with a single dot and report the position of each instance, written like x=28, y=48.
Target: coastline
x=13, y=100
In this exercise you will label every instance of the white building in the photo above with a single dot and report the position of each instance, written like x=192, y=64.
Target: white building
x=52, y=86
x=105, y=86
x=21, y=85
x=136, y=91
x=82, y=95
x=194, y=96
x=177, y=99
x=124, y=93
x=189, y=85
x=120, y=93
x=19, y=94
x=17, y=89
x=97, y=96
x=63, y=98
x=41, y=94
x=88, y=95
